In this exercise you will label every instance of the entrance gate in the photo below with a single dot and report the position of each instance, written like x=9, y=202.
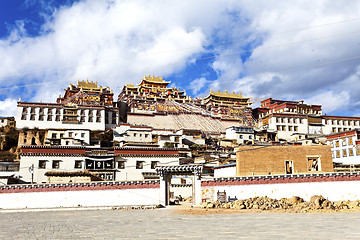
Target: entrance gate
x=166, y=173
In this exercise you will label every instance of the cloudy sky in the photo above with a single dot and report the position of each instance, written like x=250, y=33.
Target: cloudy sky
x=293, y=50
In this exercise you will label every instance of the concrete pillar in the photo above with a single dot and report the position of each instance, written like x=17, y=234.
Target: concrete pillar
x=196, y=190
x=164, y=190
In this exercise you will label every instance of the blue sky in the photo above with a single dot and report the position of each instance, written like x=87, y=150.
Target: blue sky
x=294, y=50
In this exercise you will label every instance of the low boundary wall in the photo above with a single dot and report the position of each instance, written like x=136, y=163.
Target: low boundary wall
x=333, y=186
x=95, y=194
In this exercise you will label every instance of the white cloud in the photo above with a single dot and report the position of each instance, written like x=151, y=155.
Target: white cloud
x=8, y=107
x=112, y=42
x=117, y=42
x=329, y=100
x=198, y=84
x=295, y=41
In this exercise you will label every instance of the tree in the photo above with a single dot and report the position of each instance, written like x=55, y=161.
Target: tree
x=168, y=145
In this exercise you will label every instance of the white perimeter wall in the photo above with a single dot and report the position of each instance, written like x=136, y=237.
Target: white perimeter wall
x=333, y=191
x=98, y=198
x=225, y=172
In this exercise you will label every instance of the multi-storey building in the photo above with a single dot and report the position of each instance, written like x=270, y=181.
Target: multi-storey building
x=153, y=103
x=232, y=106
x=289, y=117
x=118, y=164
x=240, y=134
x=294, y=120
x=85, y=106
x=345, y=147
x=336, y=124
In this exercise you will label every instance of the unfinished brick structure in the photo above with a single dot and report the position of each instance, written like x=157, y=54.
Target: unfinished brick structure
x=267, y=160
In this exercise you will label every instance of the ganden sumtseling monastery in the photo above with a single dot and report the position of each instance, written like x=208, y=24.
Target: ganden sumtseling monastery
x=87, y=132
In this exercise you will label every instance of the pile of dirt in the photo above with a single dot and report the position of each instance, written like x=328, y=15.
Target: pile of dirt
x=317, y=203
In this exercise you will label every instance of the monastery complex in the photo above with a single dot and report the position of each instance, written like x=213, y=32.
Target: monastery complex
x=89, y=133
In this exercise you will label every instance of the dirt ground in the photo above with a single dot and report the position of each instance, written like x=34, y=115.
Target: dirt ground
x=189, y=210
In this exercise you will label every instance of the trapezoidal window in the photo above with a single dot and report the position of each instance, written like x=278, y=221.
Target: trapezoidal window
x=313, y=164
x=289, y=167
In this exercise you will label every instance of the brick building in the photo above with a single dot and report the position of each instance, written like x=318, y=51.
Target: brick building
x=266, y=160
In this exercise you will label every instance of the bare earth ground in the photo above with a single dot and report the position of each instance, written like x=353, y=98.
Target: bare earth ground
x=189, y=210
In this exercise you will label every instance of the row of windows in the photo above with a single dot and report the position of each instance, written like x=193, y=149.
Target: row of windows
x=344, y=142
x=71, y=134
x=313, y=165
x=346, y=153
x=68, y=115
x=241, y=136
x=342, y=122
x=139, y=164
x=334, y=129
x=79, y=164
x=287, y=128
x=58, y=111
x=328, y=122
x=140, y=135
x=290, y=120
x=66, y=118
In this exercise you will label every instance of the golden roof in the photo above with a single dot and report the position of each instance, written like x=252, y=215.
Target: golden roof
x=130, y=85
x=227, y=95
x=154, y=79
x=87, y=84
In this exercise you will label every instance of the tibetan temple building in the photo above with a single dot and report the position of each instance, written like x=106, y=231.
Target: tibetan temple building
x=154, y=104
x=83, y=106
x=87, y=106
x=229, y=106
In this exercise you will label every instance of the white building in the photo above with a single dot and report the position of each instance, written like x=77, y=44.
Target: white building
x=344, y=147
x=118, y=164
x=294, y=118
x=226, y=170
x=73, y=137
x=129, y=135
x=240, y=134
x=58, y=116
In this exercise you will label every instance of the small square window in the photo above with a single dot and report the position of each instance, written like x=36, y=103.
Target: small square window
x=313, y=164
x=351, y=152
x=344, y=153
x=121, y=165
x=154, y=164
x=139, y=164
x=78, y=164
x=42, y=164
x=56, y=164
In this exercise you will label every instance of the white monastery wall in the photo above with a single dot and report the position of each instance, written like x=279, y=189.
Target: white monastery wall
x=333, y=191
x=97, y=198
